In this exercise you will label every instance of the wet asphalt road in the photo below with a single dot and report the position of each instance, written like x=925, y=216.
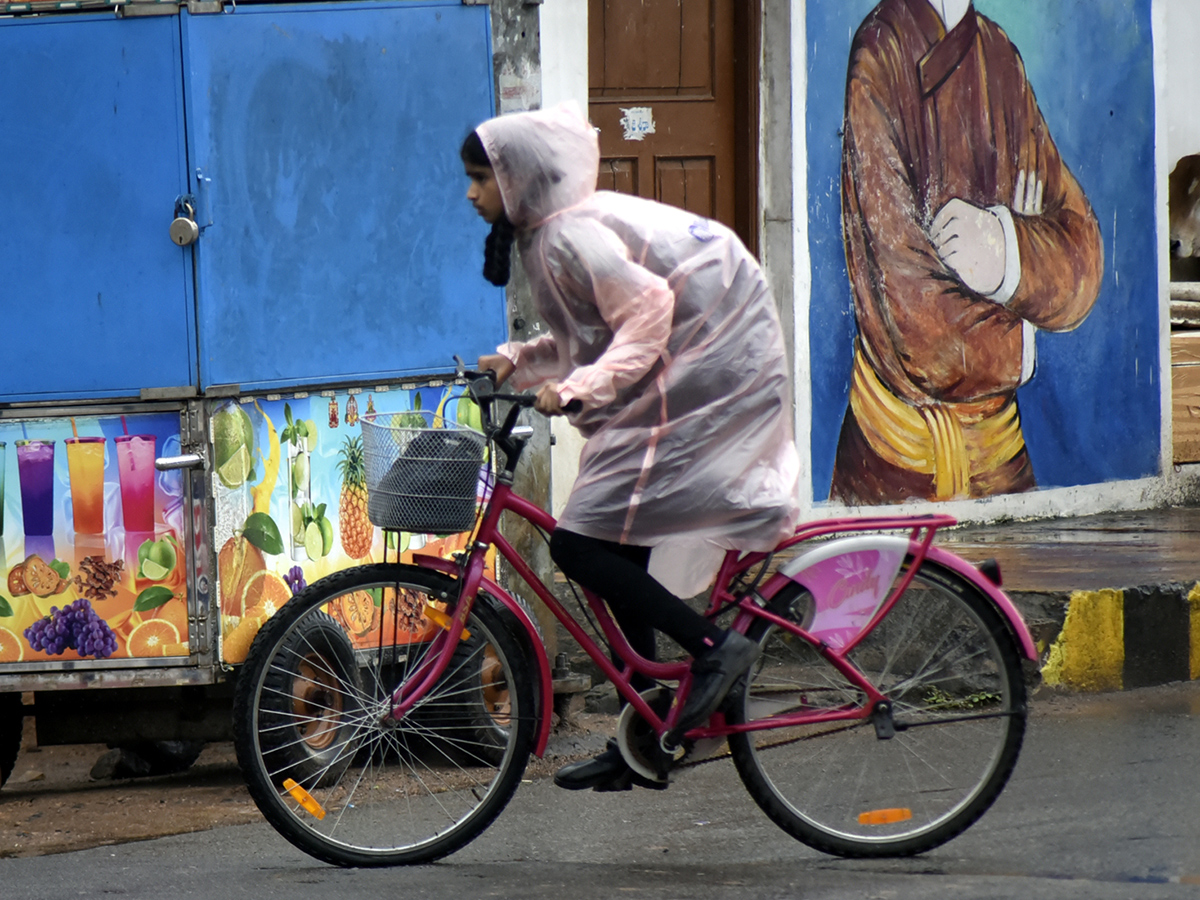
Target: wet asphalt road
x=1105, y=803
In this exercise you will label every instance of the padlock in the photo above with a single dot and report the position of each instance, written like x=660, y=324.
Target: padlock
x=184, y=229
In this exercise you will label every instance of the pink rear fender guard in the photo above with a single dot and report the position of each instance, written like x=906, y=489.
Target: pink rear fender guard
x=545, y=681
x=896, y=548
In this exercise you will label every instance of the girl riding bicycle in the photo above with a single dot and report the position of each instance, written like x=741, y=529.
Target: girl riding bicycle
x=887, y=709
x=665, y=343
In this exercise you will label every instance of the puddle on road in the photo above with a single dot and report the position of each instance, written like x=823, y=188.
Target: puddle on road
x=1181, y=699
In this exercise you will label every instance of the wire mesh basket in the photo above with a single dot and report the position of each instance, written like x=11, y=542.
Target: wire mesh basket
x=422, y=480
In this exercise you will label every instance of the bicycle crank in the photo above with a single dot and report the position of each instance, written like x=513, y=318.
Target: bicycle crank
x=641, y=748
x=638, y=742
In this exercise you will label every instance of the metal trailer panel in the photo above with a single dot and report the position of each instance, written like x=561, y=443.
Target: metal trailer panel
x=337, y=243
x=96, y=299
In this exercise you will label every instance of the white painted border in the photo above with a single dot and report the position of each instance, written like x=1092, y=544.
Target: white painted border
x=1171, y=487
x=1159, y=35
x=801, y=261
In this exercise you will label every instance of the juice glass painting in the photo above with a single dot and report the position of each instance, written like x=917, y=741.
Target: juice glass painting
x=135, y=463
x=85, y=461
x=35, y=466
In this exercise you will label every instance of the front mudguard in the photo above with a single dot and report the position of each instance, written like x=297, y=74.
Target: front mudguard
x=531, y=634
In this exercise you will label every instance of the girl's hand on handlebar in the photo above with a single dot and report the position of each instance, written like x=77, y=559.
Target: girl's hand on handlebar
x=548, y=403
x=499, y=364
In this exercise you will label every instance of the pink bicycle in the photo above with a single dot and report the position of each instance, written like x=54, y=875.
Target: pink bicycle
x=385, y=714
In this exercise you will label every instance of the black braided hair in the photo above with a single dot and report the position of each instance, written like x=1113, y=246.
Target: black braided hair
x=497, y=249
x=497, y=252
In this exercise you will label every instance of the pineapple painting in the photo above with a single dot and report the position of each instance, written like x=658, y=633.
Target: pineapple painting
x=353, y=524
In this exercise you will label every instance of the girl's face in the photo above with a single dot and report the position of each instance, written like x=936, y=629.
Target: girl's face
x=484, y=192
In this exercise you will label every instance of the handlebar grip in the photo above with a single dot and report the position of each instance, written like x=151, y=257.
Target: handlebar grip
x=573, y=406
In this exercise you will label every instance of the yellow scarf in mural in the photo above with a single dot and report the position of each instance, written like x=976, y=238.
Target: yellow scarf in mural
x=949, y=441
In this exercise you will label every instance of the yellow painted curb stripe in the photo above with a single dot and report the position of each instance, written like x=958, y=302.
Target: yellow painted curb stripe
x=1089, y=653
x=1194, y=629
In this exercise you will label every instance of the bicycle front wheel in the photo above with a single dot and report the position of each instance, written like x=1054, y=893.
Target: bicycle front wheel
x=951, y=671
x=323, y=759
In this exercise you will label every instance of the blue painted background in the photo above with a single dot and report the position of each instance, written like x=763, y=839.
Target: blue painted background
x=96, y=299
x=342, y=246
x=338, y=245
x=1092, y=411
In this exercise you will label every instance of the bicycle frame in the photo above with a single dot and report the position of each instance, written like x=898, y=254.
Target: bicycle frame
x=471, y=574
x=750, y=602
x=749, y=605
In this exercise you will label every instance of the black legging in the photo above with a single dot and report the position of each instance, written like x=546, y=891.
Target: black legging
x=617, y=572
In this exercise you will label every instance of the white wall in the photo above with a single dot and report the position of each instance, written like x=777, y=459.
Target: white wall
x=564, y=52
x=1182, y=82
x=564, y=77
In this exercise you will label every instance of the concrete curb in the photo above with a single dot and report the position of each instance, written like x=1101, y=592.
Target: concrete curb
x=1115, y=638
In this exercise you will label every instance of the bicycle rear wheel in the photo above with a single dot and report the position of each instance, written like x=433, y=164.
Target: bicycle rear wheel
x=321, y=757
x=949, y=667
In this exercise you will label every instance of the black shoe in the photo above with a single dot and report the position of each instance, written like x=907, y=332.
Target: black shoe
x=606, y=772
x=590, y=773
x=714, y=675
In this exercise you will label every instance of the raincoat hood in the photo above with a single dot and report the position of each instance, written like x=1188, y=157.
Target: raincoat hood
x=545, y=161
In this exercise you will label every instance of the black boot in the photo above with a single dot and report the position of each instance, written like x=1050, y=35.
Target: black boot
x=604, y=773
x=714, y=674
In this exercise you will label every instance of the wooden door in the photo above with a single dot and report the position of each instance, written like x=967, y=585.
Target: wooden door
x=670, y=91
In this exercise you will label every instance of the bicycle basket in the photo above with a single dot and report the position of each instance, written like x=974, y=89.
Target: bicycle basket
x=422, y=480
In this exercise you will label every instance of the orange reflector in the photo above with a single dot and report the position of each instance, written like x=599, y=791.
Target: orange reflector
x=884, y=816
x=443, y=621
x=303, y=797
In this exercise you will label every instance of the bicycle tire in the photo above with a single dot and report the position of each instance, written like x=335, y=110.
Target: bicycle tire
x=391, y=793
x=950, y=667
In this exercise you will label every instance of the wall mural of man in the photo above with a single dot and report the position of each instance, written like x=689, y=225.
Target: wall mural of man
x=965, y=232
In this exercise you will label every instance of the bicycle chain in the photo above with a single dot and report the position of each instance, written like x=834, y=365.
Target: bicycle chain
x=783, y=742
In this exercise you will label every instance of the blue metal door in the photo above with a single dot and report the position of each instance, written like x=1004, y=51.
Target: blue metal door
x=96, y=299
x=338, y=246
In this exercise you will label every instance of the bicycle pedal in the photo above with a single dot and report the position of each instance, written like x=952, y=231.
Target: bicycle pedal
x=667, y=760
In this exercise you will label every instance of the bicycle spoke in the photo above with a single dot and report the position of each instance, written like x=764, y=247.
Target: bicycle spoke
x=949, y=669
x=329, y=766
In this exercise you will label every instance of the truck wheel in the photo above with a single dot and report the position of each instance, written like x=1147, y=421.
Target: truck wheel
x=12, y=721
x=478, y=704
x=166, y=757
x=309, y=705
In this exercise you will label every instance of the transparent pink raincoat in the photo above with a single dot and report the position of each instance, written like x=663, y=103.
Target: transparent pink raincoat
x=662, y=325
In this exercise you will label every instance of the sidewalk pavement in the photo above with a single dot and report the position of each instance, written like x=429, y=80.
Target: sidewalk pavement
x=1112, y=599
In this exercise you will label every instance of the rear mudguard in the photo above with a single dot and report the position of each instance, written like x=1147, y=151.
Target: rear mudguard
x=849, y=579
x=545, y=698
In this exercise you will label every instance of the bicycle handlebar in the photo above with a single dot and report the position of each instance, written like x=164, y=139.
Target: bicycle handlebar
x=482, y=386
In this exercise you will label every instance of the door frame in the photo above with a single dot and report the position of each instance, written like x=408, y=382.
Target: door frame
x=747, y=75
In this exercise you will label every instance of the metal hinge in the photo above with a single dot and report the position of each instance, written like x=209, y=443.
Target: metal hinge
x=149, y=8
x=182, y=392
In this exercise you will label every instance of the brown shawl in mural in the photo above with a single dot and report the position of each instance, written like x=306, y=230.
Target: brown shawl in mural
x=932, y=116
